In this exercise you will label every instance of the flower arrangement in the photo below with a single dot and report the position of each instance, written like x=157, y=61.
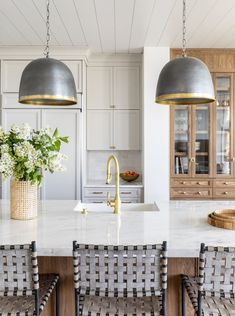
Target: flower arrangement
x=25, y=153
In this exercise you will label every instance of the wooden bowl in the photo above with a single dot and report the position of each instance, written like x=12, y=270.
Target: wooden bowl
x=129, y=178
x=222, y=219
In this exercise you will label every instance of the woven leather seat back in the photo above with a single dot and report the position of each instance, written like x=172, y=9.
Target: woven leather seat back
x=124, y=271
x=16, y=270
x=217, y=269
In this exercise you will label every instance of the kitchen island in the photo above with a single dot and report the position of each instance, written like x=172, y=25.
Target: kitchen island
x=183, y=224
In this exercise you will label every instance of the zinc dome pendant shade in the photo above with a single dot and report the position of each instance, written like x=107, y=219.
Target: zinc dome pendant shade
x=185, y=80
x=47, y=81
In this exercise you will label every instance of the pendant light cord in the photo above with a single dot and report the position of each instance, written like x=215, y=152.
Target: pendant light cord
x=48, y=35
x=184, y=30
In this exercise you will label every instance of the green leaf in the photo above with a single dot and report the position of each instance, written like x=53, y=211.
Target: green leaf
x=65, y=139
x=57, y=145
x=56, y=133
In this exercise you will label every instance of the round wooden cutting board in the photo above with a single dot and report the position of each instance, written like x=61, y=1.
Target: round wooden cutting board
x=222, y=219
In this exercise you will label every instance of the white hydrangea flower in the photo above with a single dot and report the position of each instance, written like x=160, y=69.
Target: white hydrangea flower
x=1, y=133
x=7, y=165
x=55, y=162
x=24, y=150
x=4, y=148
x=22, y=132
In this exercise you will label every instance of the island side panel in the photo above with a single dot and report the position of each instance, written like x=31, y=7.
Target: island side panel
x=64, y=267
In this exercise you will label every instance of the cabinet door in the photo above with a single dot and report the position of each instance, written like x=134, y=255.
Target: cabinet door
x=18, y=117
x=126, y=88
x=64, y=185
x=76, y=68
x=99, y=87
x=180, y=141
x=223, y=125
x=99, y=129
x=11, y=74
x=127, y=129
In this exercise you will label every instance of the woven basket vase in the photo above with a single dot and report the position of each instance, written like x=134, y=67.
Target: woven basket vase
x=23, y=200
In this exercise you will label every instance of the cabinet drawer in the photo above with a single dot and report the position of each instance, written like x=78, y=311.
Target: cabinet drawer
x=224, y=193
x=224, y=183
x=190, y=183
x=184, y=193
x=102, y=192
x=104, y=200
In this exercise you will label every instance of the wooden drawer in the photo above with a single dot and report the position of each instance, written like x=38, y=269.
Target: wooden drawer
x=189, y=193
x=190, y=183
x=224, y=193
x=224, y=183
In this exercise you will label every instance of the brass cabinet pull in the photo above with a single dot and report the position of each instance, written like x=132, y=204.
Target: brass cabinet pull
x=192, y=159
x=97, y=202
x=199, y=192
x=182, y=182
x=225, y=193
x=97, y=192
x=226, y=183
x=125, y=192
x=112, y=106
x=232, y=159
x=126, y=202
x=199, y=183
x=112, y=147
x=183, y=192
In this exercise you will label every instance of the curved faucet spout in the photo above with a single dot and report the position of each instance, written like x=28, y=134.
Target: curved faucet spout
x=116, y=203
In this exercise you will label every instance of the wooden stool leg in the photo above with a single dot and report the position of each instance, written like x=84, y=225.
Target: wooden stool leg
x=57, y=292
x=182, y=297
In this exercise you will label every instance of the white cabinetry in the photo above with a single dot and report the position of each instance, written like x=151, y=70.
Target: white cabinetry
x=98, y=194
x=64, y=185
x=113, y=101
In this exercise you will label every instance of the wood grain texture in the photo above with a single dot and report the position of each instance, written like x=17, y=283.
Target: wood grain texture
x=64, y=266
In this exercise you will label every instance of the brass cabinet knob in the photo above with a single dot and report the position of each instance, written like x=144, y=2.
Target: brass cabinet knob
x=199, y=192
x=182, y=182
x=226, y=183
x=192, y=159
x=225, y=193
x=112, y=147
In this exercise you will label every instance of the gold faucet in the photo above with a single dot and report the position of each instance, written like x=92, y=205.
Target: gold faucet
x=116, y=203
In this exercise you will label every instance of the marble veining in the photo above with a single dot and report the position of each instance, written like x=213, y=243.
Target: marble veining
x=182, y=223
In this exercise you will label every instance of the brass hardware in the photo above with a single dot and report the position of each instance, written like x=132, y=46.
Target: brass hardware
x=84, y=211
x=225, y=193
x=192, y=159
x=164, y=99
x=97, y=202
x=183, y=192
x=226, y=183
x=116, y=203
x=97, y=192
x=125, y=193
x=199, y=192
x=32, y=99
x=182, y=182
x=112, y=147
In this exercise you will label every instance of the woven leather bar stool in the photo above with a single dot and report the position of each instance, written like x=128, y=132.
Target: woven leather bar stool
x=120, y=280
x=213, y=292
x=21, y=291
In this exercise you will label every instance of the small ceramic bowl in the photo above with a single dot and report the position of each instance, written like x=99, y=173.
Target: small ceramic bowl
x=129, y=178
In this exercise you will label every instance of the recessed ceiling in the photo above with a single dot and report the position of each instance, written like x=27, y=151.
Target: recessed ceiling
x=118, y=25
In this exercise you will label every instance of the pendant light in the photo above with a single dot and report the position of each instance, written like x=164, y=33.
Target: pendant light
x=47, y=81
x=185, y=80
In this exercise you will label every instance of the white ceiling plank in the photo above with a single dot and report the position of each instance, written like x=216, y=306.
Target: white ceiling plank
x=194, y=18
x=158, y=21
x=86, y=12
x=106, y=23
x=123, y=21
x=70, y=21
x=141, y=21
x=56, y=23
x=9, y=32
x=204, y=31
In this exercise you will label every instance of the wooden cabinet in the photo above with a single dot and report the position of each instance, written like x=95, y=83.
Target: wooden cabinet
x=113, y=129
x=202, y=139
x=65, y=185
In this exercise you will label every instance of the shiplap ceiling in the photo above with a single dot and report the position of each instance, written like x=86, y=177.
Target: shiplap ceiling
x=118, y=25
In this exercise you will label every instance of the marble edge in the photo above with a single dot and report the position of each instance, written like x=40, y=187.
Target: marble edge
x=140, y=185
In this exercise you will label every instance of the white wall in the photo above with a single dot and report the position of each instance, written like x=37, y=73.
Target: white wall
x=156, y=123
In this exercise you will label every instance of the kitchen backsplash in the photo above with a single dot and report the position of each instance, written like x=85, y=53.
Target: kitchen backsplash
x=97, y=160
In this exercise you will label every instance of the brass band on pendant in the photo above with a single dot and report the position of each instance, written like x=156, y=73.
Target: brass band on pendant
x=172, y=98
x=37, y=99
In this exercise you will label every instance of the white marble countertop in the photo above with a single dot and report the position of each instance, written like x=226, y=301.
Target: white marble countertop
x=182, y=223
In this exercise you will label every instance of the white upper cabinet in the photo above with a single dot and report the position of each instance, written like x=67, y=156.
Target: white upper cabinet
x=127, y=129
x=113, y=87
x=126, y=87
x=64, y=185
x=12, y=71
x=11, y=74
x=99, y=88
x=99, y=129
